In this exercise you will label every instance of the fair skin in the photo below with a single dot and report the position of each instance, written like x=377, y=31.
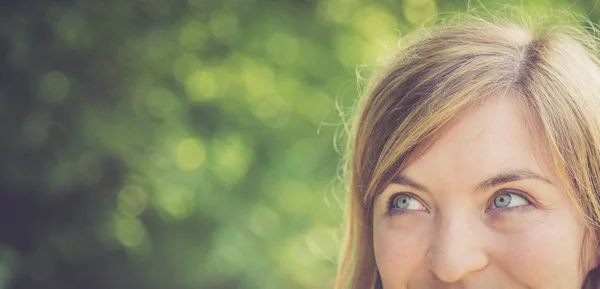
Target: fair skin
x=439, y=224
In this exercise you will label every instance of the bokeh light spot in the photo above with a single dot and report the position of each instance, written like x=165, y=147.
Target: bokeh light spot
x=265, y=103
x=258, y=79
x=185, y=65
x=72, y=28
x=193, y=35
x=223, y=24
x=337, y=10
x=156, y=45
x=190, y=154
x=294, y=196
x=201, y=86
x=175, y=202
x=298, y=264
x=54, y=87
x=322, y=243
x=315, y=107
x=373, y=23
x=273, y=110
x=417, y=11
x=131, y=232
x=263, y=222
x=162, y=103
x=232, y=158
x=301, y=158
x=297, y=251
x=380, y=29
x=349, y=49
x=132, y=201
x=282, y=48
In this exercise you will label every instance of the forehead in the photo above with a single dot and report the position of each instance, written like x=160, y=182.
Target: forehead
x=480, y=142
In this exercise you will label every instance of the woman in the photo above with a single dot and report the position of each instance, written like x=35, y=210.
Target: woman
x=475, y=162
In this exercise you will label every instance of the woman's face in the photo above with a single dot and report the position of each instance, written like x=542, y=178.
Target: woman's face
x=479, y=210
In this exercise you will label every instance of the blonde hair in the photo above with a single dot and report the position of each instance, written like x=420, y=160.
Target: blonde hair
x=551, y=68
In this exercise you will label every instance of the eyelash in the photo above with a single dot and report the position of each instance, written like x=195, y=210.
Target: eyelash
x=391, y=209
x=390, y=205
x=521, y=194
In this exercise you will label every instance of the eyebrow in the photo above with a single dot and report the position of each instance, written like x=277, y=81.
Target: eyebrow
x=498, y=179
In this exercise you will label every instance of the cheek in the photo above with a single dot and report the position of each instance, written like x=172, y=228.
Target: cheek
x=400, y=250
x=547, y=250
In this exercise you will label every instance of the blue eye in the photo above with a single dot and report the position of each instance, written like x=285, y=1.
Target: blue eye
x=507, y=200
x=405, y=202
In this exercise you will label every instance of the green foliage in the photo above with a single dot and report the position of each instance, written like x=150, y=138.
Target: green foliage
x=183, y=144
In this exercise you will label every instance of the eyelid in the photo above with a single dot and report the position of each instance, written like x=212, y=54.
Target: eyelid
x=531, y=200
x=525, y=196
x=391, y=199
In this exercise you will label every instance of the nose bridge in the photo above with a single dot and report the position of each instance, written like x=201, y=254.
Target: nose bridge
x=456, y=249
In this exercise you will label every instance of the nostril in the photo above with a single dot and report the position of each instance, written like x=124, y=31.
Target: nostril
x=455, y=253
x=451, y=269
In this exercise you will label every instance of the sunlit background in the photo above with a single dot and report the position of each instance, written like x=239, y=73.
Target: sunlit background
x=184, y=144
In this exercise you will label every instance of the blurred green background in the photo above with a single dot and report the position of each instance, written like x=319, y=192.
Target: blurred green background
x=184, y=144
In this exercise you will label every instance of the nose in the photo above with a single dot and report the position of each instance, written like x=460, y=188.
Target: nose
x=456, y=250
